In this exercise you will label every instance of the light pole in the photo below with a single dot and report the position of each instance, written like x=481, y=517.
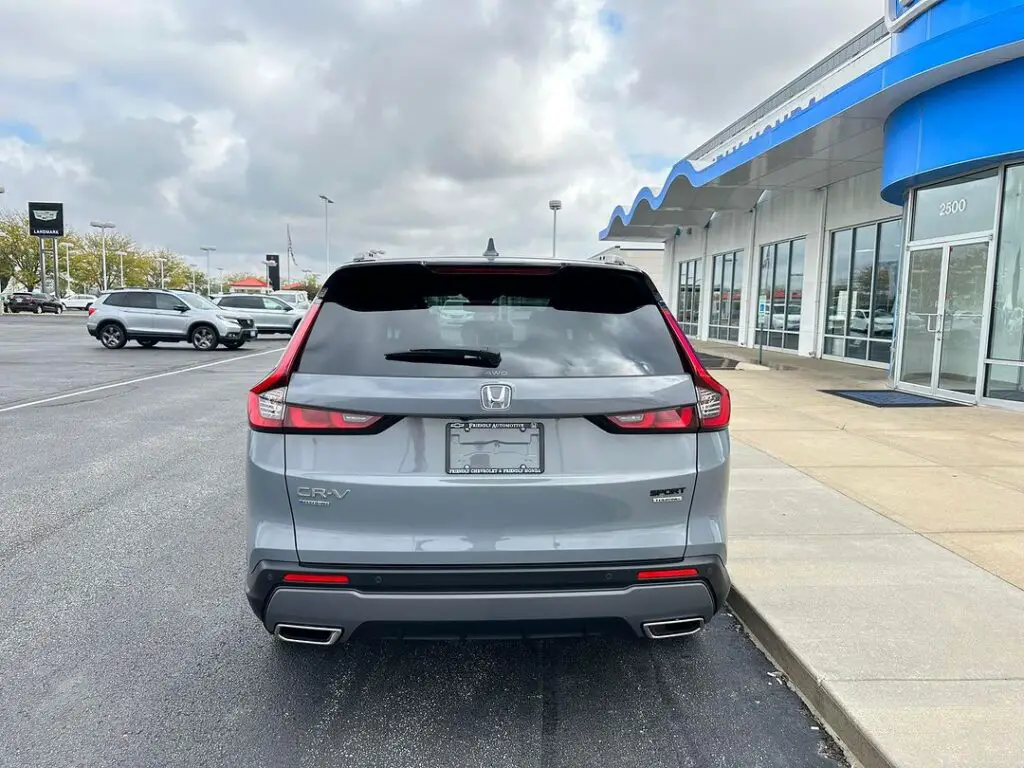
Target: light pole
x=67, y=262
x=220, y=279
x=327, y=230
x=121, y=255
x=103, y=226
x=56, y=268
x=3, y=308
x=555, y=206
x=209, y=249
x=161, y=262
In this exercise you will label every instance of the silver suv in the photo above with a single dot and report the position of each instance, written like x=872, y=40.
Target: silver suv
x=272, y=315
x=557, y=464
x=149, y=317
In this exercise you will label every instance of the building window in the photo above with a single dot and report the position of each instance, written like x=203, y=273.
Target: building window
x=688, y=305
x=863, y=275
x=780, y=291
x=727, y=270
x=1005, y=376
x=957, y=207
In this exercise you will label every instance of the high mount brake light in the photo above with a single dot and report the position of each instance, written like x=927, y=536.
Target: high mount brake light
x=471, y=270
x=714, y=405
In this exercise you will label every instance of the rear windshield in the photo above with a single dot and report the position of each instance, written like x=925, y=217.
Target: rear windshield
x=543, y=322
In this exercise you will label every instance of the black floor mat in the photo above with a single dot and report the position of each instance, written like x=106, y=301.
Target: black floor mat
x=890, y=398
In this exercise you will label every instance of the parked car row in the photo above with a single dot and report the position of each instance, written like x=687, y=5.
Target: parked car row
x=35, y=302
x=38, y=302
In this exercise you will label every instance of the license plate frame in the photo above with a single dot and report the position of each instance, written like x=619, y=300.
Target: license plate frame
x=497, y=428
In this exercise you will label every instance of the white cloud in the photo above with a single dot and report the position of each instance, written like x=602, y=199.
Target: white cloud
x=434, y=124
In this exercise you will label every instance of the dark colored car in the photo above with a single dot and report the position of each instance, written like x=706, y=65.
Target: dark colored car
x=36, y=302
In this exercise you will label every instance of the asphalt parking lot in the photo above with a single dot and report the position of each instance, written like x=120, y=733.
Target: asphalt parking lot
x=126, y=638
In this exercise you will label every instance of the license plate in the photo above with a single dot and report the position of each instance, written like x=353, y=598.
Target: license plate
x=495, y=448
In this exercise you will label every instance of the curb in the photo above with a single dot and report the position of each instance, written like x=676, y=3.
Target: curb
x=843, y=725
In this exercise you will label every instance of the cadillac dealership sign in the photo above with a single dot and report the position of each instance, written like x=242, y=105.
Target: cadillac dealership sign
x=46, y=219
x=899, y=13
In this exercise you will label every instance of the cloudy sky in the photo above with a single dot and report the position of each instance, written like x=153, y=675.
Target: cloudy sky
x=433, y=124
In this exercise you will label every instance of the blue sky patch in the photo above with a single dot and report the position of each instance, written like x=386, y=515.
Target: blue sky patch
x=652, y=162
x=612, y=22
x=19, y=130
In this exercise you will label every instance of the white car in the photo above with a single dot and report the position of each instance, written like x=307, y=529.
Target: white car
x=79, y=301
x=297, y=299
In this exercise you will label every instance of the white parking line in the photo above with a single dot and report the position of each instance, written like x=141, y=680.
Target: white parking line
x=128, y=383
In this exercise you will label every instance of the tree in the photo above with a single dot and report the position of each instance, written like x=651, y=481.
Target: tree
x=19, y=251
x=87, y=259
x=311, y=286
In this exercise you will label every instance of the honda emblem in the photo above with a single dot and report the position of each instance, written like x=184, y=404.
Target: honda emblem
x=496, y=397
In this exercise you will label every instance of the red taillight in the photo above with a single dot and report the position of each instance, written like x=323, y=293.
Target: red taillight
x=266, y=400
x=668, y=574
x=315, y=578
x=313, y=419
x=268, y=411
x=714, y=406
x=91, y=311
x=668, y=420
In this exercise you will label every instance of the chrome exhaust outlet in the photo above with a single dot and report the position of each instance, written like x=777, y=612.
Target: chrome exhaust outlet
x=297, y=633
x=670, y=628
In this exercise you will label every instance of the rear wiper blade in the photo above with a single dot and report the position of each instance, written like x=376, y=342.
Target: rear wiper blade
x=480, y=358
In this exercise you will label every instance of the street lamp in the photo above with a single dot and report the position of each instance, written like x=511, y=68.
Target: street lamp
x=68, y=248
x=209, y=249
x=121, y=255
x=220, y=279
x=327, y=230
x=161, y=261
x=103, y=226
x=555, y=206
x=56, y=268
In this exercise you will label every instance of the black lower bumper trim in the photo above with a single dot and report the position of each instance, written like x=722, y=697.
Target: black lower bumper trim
x=268, y=575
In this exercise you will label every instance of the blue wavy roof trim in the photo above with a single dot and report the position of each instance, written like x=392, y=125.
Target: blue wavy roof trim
x=1003, y=29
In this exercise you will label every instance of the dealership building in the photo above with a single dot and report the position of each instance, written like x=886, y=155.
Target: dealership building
x=872, y=211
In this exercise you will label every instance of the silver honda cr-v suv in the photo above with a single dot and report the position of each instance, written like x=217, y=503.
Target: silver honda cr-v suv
x=554, y=463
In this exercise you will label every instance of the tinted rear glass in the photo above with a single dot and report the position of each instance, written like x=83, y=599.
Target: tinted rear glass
x=555, y=322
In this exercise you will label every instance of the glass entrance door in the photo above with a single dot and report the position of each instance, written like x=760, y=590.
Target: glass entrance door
x=942, y=325
x=924, y=284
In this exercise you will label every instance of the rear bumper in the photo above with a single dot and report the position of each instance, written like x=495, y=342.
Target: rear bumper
x=408, y=599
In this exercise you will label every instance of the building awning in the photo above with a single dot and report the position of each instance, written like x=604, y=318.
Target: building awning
x=835, y=138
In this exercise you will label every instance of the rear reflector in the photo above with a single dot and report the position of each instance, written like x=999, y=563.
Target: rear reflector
x=674, y=573
x=315, y=578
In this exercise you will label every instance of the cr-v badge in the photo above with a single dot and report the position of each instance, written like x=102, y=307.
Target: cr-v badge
x=320, y=497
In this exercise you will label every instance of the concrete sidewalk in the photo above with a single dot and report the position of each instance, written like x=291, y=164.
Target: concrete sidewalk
x=878, y=555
